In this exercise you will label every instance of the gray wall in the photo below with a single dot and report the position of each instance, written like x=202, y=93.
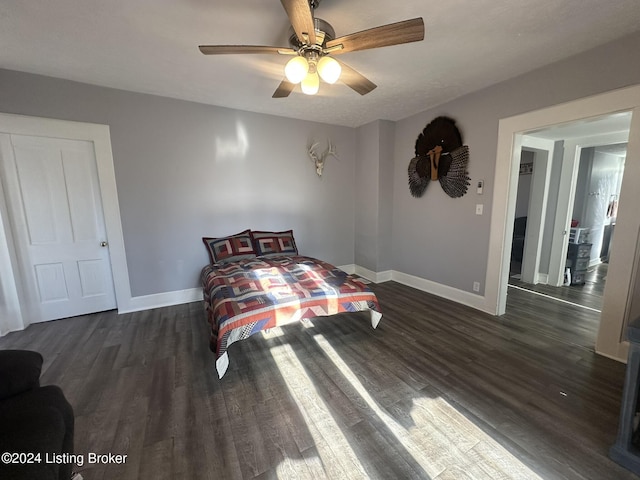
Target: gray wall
x=367, y=195
x=385, y=185
x=185, y=170
x=441, y=239
x=173, y=186
x=374, y=195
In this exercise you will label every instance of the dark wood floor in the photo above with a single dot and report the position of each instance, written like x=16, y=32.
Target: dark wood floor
x=589, y=294
x=437, y=391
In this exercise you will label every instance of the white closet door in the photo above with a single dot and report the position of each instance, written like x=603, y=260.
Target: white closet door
x=55, y=206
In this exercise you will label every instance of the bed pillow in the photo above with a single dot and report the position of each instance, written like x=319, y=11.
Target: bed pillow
x=274, y=243
x=231, y=248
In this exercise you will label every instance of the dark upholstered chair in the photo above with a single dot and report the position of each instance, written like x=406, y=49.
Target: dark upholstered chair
x=33, y=419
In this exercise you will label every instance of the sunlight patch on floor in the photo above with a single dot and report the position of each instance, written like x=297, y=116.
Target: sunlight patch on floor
x=403, y=435
x=325, y=431
x=439, y=438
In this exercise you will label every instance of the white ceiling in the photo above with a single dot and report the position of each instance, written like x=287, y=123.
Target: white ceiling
x=150, y=46
x=589, y=127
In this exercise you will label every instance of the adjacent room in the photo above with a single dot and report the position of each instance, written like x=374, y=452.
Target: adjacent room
x=595, y=152
x=318, y=239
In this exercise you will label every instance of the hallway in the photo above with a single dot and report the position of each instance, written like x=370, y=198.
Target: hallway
x=567, y=313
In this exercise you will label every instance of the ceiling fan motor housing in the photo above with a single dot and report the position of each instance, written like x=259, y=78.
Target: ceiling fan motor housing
x=324, y=34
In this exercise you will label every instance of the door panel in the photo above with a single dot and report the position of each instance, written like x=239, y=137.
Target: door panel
x=57, y=213
x=92, y=276
x=52, y=283
x=82, y=196
x=35, y=190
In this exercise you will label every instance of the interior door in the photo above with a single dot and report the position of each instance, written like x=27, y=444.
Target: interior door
x=56, y=212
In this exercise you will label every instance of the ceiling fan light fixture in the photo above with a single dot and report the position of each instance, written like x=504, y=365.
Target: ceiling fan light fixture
x=296, y=69
x=311, y=84
x=311, y=39
x=329, y=69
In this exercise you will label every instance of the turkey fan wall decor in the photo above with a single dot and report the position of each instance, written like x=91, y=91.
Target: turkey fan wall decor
x=440, y=155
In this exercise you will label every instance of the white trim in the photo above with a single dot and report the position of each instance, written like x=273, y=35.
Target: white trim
x=11, y=317
x=543, y=278
x=566, y=197
x=349, y=269
x=564, y=210
x=376, y=277
x=543, y=151
x=459, y=296
x=620, y=358
x=165, y=299
x=100, y=136
x=178, y=297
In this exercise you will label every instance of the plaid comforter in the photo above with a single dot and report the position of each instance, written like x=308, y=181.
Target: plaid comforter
x=247, y=296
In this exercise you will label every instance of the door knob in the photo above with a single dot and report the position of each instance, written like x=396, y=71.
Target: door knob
x=104, y=244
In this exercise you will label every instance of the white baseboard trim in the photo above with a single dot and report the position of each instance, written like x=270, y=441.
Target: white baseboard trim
x=621, y=359
x=459, y=296
x=165, y=299
x=350, y=269
x=375, y=277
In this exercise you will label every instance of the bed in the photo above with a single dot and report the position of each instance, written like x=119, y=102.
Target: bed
x=257, y=280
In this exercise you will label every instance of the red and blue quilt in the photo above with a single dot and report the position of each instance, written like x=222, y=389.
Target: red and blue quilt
x=254, y=294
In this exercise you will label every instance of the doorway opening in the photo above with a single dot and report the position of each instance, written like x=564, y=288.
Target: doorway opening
x=565, y=215
x=621, y=276
x=571, y=259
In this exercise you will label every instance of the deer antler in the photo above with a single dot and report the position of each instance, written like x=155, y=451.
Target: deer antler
x=311, y=149
x=319, y=160
x=331, y=151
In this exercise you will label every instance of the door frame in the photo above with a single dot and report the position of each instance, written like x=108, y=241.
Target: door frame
x=14, y=304
x=566, y=198
x=610, y=340
x=543, y=151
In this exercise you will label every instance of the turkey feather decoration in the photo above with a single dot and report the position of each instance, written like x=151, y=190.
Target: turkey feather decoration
x=440, y=155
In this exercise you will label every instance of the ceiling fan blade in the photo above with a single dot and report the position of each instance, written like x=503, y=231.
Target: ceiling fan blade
x=406, y=31
x=284, y=89
x=224, y=49
x=301, y=18
x=355, y=80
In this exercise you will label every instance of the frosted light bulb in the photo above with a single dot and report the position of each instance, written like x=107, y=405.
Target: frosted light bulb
x=296, y=69
x=329, y=69
x=310, y=84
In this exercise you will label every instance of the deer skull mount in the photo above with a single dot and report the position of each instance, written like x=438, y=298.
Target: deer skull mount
x=319, y=158
x=440, y=156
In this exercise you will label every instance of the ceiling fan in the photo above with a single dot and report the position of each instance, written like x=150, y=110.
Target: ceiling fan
x=313, y=45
